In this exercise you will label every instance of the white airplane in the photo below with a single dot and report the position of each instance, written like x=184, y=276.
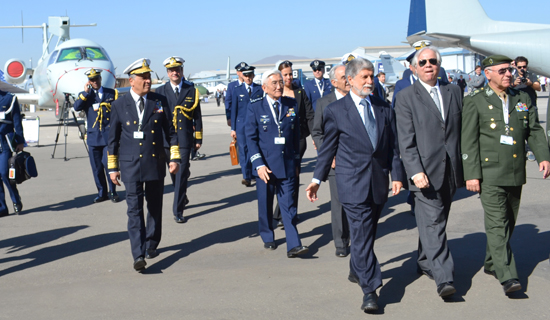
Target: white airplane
x=60, y=71
x=429, y=20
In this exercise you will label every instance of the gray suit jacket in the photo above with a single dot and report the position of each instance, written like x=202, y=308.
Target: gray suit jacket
x=425, y=139
x=318, y=131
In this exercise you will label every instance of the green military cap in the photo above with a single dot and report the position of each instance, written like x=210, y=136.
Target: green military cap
x=495, y=60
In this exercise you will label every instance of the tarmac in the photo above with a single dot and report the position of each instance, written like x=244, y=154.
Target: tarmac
x=67, y=258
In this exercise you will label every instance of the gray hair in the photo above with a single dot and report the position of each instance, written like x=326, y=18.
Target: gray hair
x=332, y=72
x=269, y=73
x=414, y=61
x=356, y=65
x=132, y=76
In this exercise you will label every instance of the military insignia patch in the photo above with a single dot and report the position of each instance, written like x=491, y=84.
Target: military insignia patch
x=158, y=107
x=291, y=113
x=489, y=92
x=265, y=119
x=351, y=57
x=316, y=63
x=464, y=156
x=521, y=107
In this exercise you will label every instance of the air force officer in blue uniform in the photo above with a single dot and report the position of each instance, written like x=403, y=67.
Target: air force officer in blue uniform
x=360, y=131
x=242, y=95
x=319, y=86
x=273, y=138
x=230, y=87
x=12, y=139
x=96, y=101
x=139, y=124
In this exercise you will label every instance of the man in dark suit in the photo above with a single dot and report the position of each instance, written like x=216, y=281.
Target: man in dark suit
x=360, y=132
x=273, y=139
x=139, y=124
x=96, y=101
x=230, y=87
x=319, y=86
x=429, y=123
x=185, y=110
x=242, y=95
x=339, y=222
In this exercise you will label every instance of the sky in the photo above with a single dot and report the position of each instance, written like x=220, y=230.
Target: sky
x=205, y=33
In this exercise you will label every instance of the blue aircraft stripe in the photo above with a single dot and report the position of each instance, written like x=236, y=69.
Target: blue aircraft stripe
x=417, y=17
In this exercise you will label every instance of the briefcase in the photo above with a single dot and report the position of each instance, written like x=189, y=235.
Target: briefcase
x=233, y=153
x=21, y=167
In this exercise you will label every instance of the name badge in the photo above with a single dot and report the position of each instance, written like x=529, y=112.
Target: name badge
x=2, y=115
x=95, y=106
x=507, y=140
x=279, y=140
x=138, y=135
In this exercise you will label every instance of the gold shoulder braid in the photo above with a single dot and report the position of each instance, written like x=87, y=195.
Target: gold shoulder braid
x=100, y=113
x=185, y=111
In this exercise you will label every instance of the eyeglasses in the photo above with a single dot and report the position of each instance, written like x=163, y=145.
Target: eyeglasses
x=503, y=70
x=432, y=61
x=522, y=67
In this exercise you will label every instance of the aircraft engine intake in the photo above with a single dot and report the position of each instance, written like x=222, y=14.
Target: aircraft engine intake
x=15, y=71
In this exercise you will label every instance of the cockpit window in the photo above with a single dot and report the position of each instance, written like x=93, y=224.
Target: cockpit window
x=52, y=57
x=95, y=53
x=91, y=53
x=69, y=54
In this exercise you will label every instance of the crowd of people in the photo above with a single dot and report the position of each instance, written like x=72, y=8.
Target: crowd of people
x=430, y=139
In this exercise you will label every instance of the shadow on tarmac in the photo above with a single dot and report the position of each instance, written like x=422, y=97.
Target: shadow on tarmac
x=56, y=252
x=78, y=202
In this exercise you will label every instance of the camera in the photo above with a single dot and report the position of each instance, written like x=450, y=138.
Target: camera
x=523, y=75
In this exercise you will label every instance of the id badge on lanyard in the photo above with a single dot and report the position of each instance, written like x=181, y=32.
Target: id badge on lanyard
x=279, y=139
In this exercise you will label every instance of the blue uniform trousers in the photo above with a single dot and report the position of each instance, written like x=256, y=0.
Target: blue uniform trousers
x=98, y=160
x=180, y=183
x=5, y=154
x=244, y=157
x=363, y=221
x=144, y=237
x=284, y=188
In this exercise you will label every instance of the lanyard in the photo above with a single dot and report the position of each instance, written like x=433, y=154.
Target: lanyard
x=275, y=116
x=321, y=90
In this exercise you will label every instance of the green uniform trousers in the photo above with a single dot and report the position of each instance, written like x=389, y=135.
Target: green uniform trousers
x=501, y=206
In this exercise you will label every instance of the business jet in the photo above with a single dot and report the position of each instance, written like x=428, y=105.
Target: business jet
x=59, y=74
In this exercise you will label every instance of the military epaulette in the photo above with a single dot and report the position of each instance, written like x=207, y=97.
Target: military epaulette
x=473, y=93
x=256, y=100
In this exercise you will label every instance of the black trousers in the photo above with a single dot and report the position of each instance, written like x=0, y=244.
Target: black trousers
x=144, y=236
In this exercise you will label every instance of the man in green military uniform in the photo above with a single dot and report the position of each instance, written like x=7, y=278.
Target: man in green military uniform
x=496, y=121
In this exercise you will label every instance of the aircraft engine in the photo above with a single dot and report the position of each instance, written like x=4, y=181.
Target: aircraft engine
x=15, y=71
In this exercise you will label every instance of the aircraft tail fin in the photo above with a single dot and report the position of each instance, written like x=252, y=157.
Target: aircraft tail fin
x=432, y=16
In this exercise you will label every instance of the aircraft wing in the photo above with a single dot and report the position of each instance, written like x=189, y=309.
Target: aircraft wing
x=27, y=98
x=4, y=86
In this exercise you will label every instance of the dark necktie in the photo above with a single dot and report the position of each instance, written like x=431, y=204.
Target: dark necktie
x=276, y=108
x=249, y=91
x=370, y=123
x=140, y=104
x=177, y=93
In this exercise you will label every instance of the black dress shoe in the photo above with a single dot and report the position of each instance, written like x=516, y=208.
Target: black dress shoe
x=370, y=302
x=114, y=197
x=341, y=252
x=17, y=207
x=99, y=199
x=246, y=182
x=139, y=264
x=353, y=278
x=511, y=286
x=445, y=290
x=296, y=251
x=489, y=272
x=270, y=245
x=427, y=273
x=4, y=213
x=151, y=253
x=180, y=219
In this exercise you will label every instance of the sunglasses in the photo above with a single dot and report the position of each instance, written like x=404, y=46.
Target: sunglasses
x=317, y=69
x=423, y=62
x=503, y=70
x=522, y=67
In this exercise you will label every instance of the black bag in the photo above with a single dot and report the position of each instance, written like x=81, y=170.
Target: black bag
x=21, y=167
